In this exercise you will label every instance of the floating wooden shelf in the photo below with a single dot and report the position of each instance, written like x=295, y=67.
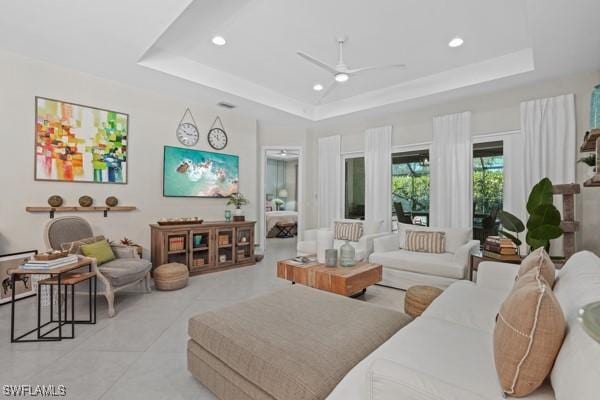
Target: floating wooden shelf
x=52, y=210
x=589, y=143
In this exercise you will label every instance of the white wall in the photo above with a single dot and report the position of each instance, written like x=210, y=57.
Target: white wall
x=496, y=112
x=152, y=124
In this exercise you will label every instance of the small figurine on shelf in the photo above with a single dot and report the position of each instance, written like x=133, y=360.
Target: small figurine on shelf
x=238, y=200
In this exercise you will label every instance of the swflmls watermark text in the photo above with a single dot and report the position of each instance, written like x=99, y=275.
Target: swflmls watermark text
x=34, y=390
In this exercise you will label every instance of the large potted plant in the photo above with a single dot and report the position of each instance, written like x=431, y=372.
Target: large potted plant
x=543, y=224
x=238, y=200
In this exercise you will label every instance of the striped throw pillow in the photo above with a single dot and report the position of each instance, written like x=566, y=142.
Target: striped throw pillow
x=351, y=231
x=425, y=242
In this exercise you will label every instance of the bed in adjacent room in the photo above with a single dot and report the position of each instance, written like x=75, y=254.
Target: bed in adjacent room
x=279, y=217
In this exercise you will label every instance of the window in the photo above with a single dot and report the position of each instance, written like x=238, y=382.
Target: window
x=410, y=187
x=354, y=191
x=488, y=184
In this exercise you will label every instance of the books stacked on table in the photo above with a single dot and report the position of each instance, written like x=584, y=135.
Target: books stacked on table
x=500, y=248
x=49, y=264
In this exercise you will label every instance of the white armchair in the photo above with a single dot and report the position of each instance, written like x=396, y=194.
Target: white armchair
x=316, y=241
x=403, y=269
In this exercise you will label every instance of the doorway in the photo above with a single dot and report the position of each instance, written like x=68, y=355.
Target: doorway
x=281, y=211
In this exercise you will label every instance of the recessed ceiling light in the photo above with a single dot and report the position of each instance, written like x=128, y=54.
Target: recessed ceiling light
x=456, y=42
x=318, y=87
x=219, y=40
x=341, y=77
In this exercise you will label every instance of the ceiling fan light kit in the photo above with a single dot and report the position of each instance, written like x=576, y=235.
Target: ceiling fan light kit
x=341, y=72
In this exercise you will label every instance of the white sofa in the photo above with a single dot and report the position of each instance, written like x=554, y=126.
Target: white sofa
x=447, y=353
x=403, y=269
x=316, y=241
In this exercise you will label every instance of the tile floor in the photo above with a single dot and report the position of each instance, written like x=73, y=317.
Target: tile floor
x=140, y=353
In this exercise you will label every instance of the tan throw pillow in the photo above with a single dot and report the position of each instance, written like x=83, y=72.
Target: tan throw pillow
x=528, y=335
x=74, y=247
x=351, y=231
x=539, y=258
x=425, y=241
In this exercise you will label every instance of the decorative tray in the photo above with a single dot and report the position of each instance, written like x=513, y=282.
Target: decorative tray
x=53, y=255
x=180, y=222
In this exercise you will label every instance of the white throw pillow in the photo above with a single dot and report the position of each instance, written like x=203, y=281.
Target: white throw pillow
x=576, y=372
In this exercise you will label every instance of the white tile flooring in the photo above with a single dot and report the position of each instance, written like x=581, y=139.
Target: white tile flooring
x=140, y=353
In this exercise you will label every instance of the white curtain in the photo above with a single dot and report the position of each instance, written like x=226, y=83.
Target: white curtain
x=549, y=147
x=329, y=185
x=378, y=176
x=451, y=199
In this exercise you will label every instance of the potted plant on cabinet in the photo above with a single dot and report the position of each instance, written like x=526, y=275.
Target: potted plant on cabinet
x=238, y=200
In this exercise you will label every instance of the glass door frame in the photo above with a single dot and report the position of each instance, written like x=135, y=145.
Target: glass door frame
x=347, y=156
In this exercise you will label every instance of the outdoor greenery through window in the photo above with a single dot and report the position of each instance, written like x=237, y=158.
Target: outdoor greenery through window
x=354, y=193
x=488, y=183
x=410, y=187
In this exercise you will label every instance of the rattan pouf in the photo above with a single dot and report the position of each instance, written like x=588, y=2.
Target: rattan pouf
x=418, y=298
x=171, y=276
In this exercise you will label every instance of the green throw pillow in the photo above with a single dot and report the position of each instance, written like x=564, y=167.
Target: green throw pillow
x=100, y=250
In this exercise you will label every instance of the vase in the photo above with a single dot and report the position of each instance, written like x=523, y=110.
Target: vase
x=227, y=215
x=238, y=212
x=595, y=108
x=347, y=255
x=331, y=256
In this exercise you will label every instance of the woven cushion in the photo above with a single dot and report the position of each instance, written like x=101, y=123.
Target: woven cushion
x=171, y=276
x=347, y=231
x=529, y=332
x=99, y=250
x=539, y=259
x=425, y=242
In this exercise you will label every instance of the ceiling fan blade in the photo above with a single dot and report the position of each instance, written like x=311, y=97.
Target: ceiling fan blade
x=374, y=67
x=317, y=62
x=328, y=91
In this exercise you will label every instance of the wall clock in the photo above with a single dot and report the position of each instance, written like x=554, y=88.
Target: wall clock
x=217, y=137
x=187, y=132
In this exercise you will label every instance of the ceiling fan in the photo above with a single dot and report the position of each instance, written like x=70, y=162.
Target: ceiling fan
x=341, y=72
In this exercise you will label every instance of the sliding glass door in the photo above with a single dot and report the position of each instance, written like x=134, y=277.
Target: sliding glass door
x=488, y=184
x=410, y=187
x=354, y=187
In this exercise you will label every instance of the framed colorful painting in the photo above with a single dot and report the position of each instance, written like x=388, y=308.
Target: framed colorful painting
x=23, y=285
x=196, y=173
x=75, y=143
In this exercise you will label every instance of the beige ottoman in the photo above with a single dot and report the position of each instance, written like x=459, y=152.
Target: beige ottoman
x=418, y=298
x=171, y=276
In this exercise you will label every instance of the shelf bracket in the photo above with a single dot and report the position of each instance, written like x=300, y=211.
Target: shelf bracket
x=51, y=212
x=106, y=212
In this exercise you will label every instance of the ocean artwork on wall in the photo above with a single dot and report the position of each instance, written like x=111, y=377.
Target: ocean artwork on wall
x=196, y=173
x=75, y=143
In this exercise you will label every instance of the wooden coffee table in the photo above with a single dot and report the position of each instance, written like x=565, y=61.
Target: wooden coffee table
x=346, y=281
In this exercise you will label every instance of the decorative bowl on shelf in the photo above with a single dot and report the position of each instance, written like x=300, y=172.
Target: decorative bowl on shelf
x=55, y=201
x=86, y=201
x=111, y=201
x=50, y=255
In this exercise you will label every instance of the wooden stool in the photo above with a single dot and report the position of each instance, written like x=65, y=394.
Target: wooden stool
x=171, y=276
x=418, y=298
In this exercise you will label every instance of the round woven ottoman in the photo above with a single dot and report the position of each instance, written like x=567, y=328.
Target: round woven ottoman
x=418, y=298
x=171, y=276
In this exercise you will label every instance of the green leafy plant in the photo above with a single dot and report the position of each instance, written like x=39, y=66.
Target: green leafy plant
x=589, y=160
x=278, y=203
x=237, y=200
x=543, y=224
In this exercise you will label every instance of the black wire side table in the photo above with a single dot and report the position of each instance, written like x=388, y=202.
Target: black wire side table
x=58, y=278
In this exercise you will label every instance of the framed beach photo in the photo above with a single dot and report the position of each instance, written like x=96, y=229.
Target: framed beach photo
x=196, y=173
x=23, y=285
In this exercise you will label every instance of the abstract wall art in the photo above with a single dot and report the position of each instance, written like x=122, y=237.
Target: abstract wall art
x=75, y=143
x=195, y=173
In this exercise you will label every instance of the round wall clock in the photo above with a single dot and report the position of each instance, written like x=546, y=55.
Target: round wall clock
x=217, y=138
x=187, y=134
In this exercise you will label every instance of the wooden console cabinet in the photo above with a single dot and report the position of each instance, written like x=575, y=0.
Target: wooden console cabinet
x=207, y=247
